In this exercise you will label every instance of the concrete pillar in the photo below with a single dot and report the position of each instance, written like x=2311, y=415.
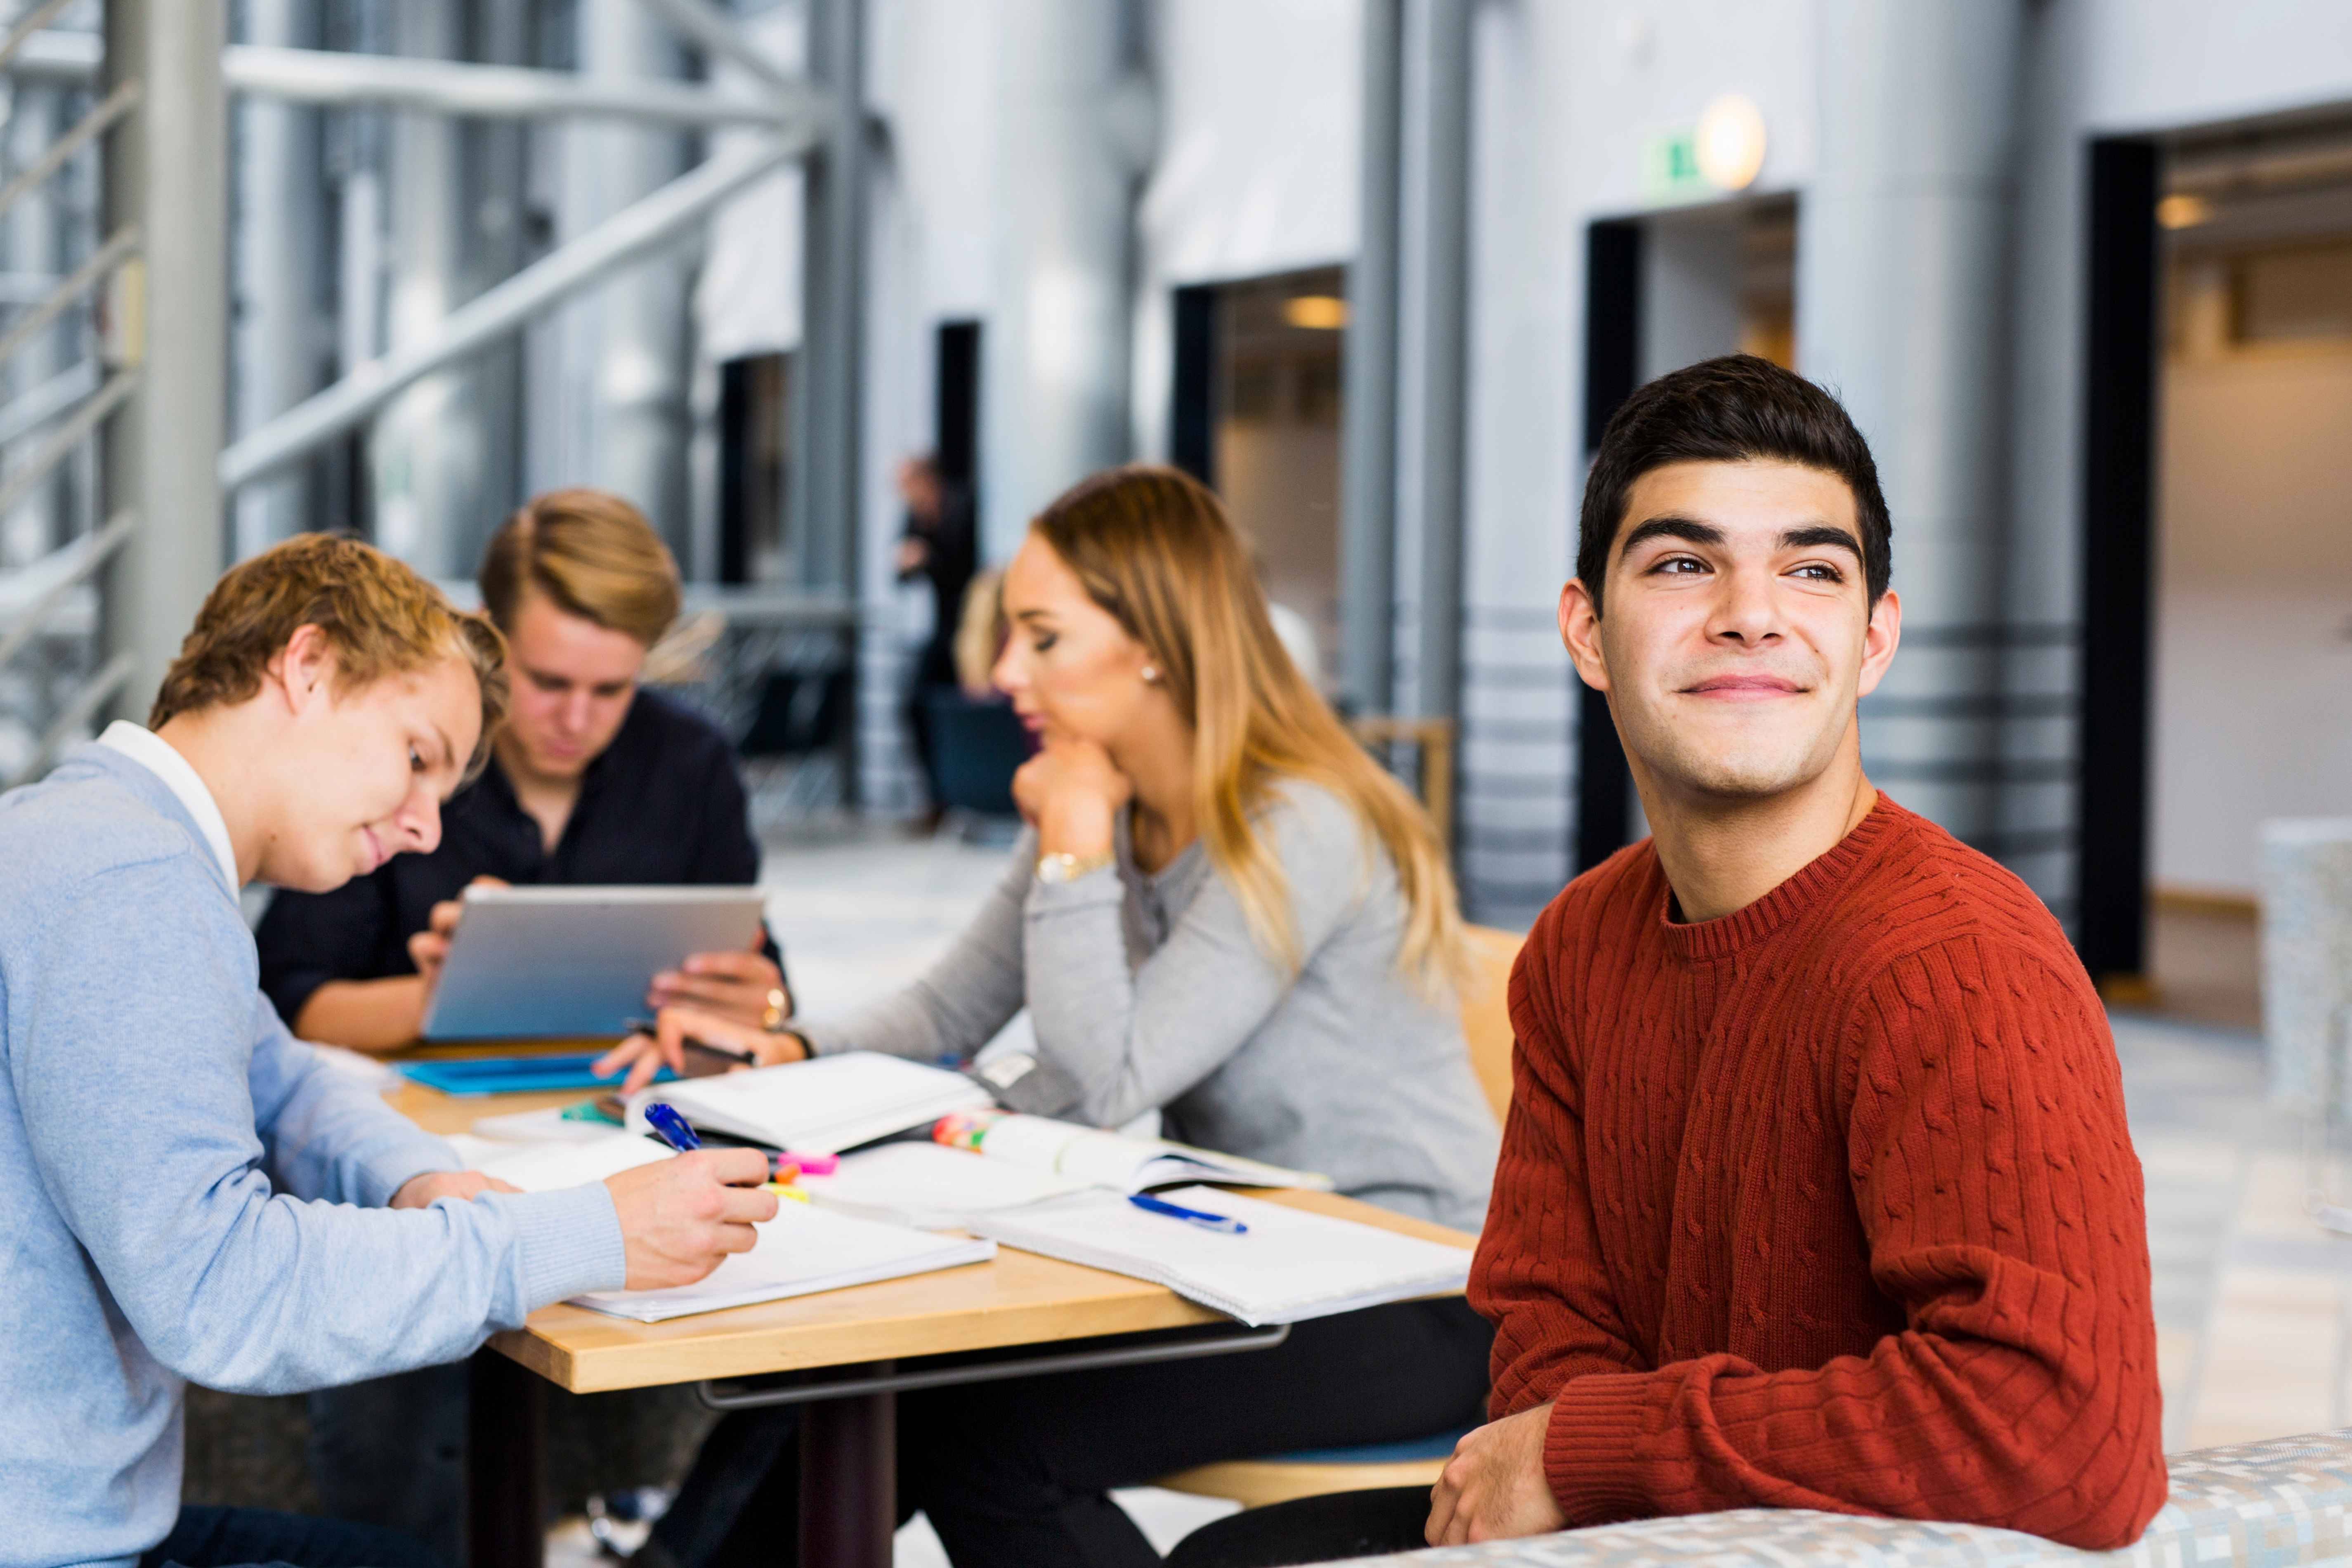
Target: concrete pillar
x=276, y=354
x=626, y=423
x=1901, y=282
x=167, y=168
x=1055, y=373
x=1440, y=276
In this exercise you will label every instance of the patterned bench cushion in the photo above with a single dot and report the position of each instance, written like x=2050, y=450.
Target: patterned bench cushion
x=2274, y=1504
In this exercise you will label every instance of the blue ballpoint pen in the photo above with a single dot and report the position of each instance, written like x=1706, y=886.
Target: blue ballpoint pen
x=1201, y=1217
x=671, y=1127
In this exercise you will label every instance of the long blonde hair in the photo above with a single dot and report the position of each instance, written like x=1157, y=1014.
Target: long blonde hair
x=1154, y=548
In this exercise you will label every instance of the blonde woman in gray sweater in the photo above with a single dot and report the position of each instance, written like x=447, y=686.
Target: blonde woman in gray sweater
x=1222, y=910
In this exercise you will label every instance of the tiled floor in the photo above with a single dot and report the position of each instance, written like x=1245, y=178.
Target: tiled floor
x=2253, y=1302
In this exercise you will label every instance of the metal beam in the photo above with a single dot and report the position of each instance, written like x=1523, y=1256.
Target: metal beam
x=118, y=103
x=620, y=238
x=70, y=565
x=73, y=59
x=711, y=31
x=1368, y=446
x=26, y=27
x=61, y=442
x=31, y=410
x=102, y=260
x=500, y=93
x=76, y=714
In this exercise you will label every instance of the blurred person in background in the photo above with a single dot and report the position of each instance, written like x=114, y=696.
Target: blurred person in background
x=1223, y=910
x=941, y=544
x=592, y=780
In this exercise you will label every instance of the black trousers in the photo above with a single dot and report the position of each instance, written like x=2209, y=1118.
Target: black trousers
x=249, y=1537
x=1017, y=1473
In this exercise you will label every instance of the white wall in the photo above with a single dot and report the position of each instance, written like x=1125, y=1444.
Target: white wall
x=2253, y=677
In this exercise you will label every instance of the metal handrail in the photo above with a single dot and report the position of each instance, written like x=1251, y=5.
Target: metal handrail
x=27, y=25
x=698, y=22
x=506, y=92
x=95, y=694
x=89, y=552
x=35, y=407
x=116, y=104
x=85, y=277
x=633, y=230
x=62, y=441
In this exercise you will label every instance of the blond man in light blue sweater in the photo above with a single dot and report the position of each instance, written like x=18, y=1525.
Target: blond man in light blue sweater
x=186, y=1191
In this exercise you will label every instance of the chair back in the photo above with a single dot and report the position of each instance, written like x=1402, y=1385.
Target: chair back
x=1486, y=1011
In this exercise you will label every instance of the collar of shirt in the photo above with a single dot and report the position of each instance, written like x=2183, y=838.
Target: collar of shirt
x=154, y=753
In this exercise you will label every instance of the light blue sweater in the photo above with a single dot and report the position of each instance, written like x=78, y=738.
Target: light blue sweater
x=188, y=1193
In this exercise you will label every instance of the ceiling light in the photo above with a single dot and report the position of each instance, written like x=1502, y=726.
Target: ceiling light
x=1317, y=313
x=1730, y=142
x=2183, y=211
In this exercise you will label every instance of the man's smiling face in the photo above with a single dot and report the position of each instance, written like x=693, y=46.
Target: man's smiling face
x=1736, y=631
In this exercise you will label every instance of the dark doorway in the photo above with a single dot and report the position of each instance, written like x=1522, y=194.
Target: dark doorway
x=1612, y=369
x=956, y=422
x=2118, y=433
x=1193, y=402
x=1257, y=414
x=754, y=433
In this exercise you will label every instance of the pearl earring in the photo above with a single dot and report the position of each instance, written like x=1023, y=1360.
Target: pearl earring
x=1150, y=673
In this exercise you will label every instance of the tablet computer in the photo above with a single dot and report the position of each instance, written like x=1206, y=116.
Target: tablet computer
x=573, y=961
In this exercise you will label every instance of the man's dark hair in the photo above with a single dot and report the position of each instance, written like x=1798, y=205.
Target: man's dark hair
x=1729, y=410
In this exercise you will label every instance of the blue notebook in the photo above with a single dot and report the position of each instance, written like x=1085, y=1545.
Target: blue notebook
x=513, y=1074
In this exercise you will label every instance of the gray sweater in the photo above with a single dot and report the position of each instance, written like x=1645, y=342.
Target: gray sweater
x=186, y=1191
x=1149, y=991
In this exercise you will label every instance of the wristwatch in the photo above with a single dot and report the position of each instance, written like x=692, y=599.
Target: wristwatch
x=1060, y=868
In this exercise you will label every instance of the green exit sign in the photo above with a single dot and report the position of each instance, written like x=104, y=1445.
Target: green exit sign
x=1670, y=170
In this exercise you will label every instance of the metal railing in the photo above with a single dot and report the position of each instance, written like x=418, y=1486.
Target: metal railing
x=66, y=412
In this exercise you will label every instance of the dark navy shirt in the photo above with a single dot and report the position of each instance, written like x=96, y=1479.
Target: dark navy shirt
x=662, y=804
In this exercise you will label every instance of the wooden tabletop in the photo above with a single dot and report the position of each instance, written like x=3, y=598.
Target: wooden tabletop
x=1019, y=1298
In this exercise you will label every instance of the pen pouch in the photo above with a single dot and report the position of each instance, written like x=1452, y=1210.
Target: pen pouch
x=1020, y=1081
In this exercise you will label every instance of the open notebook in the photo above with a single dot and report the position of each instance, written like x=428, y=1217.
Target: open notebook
x=801, y=1251
x=1288, y=1267
x=820, y=1107
x=987, y=1161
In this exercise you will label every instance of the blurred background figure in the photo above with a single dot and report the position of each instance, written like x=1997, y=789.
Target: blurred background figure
x=940, y=546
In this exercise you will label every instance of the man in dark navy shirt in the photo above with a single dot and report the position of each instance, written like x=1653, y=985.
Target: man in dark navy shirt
x=592, y=781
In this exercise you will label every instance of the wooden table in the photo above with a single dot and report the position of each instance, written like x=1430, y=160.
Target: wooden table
x=958, y=1325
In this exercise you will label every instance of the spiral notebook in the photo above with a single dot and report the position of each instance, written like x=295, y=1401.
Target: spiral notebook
x=1289, y=1265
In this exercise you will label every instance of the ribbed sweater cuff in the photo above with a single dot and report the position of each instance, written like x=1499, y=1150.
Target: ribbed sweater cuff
x=1588, y=1448
x=567, y=1243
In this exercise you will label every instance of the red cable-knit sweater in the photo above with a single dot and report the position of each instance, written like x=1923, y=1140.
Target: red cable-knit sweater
x=1826, y=1204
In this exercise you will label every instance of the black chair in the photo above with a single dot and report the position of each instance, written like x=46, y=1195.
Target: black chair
x=979, y=746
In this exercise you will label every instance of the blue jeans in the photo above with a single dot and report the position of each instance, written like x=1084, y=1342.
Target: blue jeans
x=252, y=1537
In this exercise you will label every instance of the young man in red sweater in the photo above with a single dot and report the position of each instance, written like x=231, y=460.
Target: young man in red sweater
x=1816, y=1191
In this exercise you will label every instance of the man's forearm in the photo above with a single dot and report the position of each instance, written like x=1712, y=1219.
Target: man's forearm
x=365, y=1014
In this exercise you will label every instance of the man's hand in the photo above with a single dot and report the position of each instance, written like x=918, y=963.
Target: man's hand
x=429, y=948
x=680, y=1217
x=419, y=1192
x=1494, y=1487
x=744, y=988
